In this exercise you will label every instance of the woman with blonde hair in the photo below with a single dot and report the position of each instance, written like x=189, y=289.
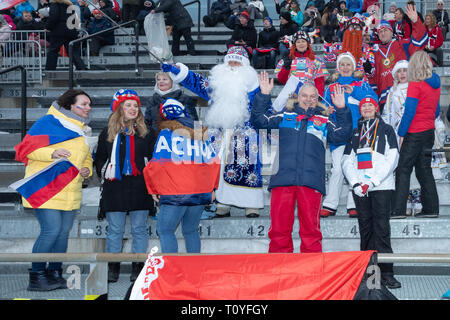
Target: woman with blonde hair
x=435, y=39
x=164, y=89
x=416, y=131
x=124, y=148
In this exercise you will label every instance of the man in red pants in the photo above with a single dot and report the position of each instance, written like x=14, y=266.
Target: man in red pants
x=304, y=129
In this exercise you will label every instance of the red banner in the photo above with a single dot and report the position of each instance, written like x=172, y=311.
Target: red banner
x=6, y=4
x=274, y=276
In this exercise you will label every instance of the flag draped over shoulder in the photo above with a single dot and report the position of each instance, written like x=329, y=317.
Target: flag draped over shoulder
x=40, y=187
x=46, y=131
x=6, y=4
x=282, y=276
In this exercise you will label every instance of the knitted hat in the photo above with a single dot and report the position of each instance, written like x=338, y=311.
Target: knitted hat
x=123, y=95
x=384, y=24
x=286, y=15
x=245, y=14
x=96, y=11
x=270, y=20
x=172, y=109
x=355, y=20
x=402, y=64
x=369, y=100
x=346, y=55
x=239, y=54
x=301, y=35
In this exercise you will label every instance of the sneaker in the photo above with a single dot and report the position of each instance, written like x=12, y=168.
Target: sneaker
x=352, y=213
x=324, y=213
x=222, y=210
x=207, y=215
x=395, y=215
x=225, y=215
x=427, y=215
x=390, y=282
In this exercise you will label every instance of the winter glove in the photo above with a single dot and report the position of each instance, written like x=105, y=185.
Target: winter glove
x=360, y=189
x=287, y=62
x=367, y=67
x=170, y=68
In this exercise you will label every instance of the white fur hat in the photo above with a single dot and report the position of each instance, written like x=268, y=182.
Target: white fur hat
x=402, y=64
x=346, y=55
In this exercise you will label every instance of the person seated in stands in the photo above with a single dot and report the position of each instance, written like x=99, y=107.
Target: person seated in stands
x=296, y=13
x=244, y=34
x=267, y=46
x=287, y=29
x=343, y=15
x=106, y=7
x=164, y=89
x=149, y=5
x=330, y=24
x=311, y=23
x=435, y=39
x=442, y=18
x=220, y=11
x=283, y=6
x=97, y=24
x=255, y=9
x=27, y=22
x=23, y=6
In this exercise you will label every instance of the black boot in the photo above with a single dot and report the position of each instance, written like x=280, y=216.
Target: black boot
x=113, y=271
x=39, y=281
x=56, y=275
x=136, y=268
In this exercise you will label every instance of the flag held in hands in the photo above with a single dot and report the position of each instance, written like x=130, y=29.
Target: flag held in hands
x=40, y=187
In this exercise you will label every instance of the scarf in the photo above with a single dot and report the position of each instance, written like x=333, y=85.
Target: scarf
x=129, y=166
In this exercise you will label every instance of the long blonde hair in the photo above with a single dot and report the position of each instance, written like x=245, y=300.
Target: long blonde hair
x=420, y=67
x=117, y=123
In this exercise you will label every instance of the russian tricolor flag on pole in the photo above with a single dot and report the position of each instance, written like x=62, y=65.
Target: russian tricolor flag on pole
x=40, y=187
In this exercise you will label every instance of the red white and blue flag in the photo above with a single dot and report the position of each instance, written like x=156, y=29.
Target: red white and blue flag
x=6, y=4
x=46, y=131
x=40, y=187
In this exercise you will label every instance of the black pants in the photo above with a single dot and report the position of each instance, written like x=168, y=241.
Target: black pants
x=176, y=35
x=53, y=51
x=129, y=12
x=412, y=155
x=374, y=212
x=96, y=44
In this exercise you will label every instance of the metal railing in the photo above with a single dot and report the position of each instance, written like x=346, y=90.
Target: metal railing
x=26, y=53
x=23, y=117
x=198, y=14
x=72, y=43
x=96, y=282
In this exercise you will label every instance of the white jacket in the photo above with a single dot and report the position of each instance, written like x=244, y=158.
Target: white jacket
x=384, y=159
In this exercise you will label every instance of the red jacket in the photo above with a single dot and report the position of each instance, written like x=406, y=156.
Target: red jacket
x=435, y=38
x=283, y=75
x=395, y=51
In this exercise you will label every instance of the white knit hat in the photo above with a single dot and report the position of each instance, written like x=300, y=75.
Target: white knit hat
x=346, y=55
x=402, y=64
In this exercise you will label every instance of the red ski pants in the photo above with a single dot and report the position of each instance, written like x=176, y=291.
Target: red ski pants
x=282, y=215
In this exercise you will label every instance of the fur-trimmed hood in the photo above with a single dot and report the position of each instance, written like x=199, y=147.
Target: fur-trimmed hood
x=292, y=104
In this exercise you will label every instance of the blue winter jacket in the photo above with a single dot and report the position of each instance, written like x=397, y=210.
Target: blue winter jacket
x=355, y=6
x=303, y=135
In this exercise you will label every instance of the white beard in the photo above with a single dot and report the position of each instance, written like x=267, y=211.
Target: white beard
x=229, y=95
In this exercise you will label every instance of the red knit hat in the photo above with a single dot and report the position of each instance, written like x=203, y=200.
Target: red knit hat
x=245, y=14
x=123, y=95
x=369, y=100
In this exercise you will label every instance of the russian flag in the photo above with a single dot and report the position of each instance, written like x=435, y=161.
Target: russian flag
x=46, y=131
x=40, y=187
x=364, y=160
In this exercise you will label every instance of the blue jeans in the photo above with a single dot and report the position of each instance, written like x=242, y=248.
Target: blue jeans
x=116, y=227
x=55, y=228
x=168, y=219
x=283, y=50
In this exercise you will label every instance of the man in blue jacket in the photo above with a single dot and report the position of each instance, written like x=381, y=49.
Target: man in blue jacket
x=97, y=24
x=303, y=134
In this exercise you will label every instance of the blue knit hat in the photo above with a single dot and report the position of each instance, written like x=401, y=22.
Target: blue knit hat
x=172, y=109
x=270, y=20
